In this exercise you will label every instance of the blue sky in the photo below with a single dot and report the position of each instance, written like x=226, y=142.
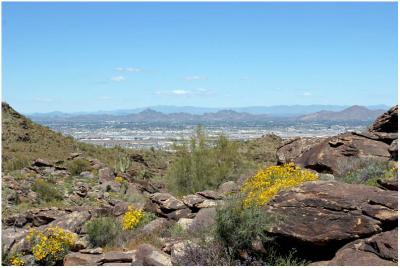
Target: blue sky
x=107, y=56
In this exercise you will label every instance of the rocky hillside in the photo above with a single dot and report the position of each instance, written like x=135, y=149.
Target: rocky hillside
x=78, y=210
x=24, y=141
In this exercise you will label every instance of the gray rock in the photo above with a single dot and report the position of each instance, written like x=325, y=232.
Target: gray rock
x=106, y=175
x=73, y=221
x=204, y=219
x=87, y=174
x=209, y=194
x=228, y=187
x=147, y=255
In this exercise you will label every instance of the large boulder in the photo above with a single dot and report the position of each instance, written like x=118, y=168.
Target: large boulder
x=378, y=250
x=292, y=149
x=387, y=122
x=320, y=217
x=333, y=154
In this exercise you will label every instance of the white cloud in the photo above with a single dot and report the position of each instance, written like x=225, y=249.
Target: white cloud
x=184, y=92
x=195, y=77
x=128, y=69
x=307, y=94
x=180, y=92
x=118, y=78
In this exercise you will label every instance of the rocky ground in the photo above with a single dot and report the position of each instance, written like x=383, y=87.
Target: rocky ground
x=328, y=222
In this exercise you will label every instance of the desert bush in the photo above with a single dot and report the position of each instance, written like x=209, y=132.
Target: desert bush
x=46, y=191
x=260, y=188
x=102, y=231
x=202, y=164
x=50, y=245
x=207, y=253
x=237, y=226
x=368, y=171
x=76, y=166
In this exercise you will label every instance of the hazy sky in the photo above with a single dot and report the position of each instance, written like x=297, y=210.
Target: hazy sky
x=108, y=56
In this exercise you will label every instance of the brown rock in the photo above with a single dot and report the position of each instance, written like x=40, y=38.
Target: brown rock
x=81, y=259
x=394, y=149
x=322, y=216
x=292, y=149
x=378, y=250
x=387, y=122
x=106, y=175
x=332, y=154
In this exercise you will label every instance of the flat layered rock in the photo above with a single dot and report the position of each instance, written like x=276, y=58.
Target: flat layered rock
x=325, y=215
x=332, y=154
x=167, y=201
x=147, y=255
x=378, y=250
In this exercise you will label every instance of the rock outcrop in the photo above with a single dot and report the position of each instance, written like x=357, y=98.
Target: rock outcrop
x=332, y=154
x=378, y=250
x=320, y=217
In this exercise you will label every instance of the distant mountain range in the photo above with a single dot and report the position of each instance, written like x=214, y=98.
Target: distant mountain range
x=360, y=113
x=351, y=113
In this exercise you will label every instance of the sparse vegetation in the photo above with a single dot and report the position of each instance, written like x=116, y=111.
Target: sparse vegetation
x=102, y=231
x=368, y=171
x=46, y=191
x=76, y=166
x=202, y=164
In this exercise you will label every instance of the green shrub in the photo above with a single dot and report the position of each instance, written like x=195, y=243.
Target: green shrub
x=368, y=171
x=102, y=231
x=76, y=166
x=202, y=164
x=237, y=226
x=46, y=191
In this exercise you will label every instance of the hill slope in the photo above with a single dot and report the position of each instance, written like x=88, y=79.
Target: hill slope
x=25, y=141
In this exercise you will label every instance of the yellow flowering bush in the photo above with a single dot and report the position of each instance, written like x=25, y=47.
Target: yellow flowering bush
x=120, y=179
x=131, y=218
x=260, y=188
x=51, y=245
x=16, y=260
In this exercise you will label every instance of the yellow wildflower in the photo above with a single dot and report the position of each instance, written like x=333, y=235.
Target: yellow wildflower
x=120, y=179
x=16, y=260
x=50, y=245
x=131, y=218
x=260, y=188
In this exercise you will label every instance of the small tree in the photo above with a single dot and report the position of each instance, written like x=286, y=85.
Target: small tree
x=202, y=164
